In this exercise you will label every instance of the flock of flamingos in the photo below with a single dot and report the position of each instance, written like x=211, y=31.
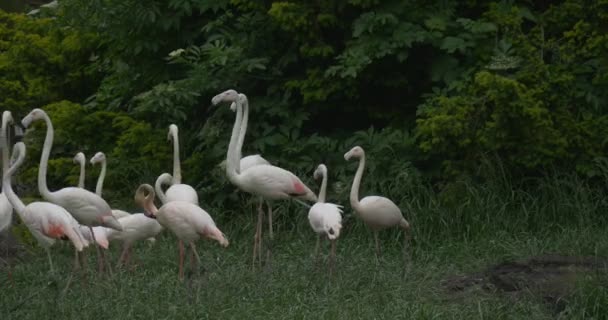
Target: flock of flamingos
x=83, y=217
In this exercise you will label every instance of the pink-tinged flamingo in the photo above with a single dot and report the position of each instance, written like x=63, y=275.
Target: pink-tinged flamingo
x=6, y=209
x=186, y=220
x=177, y=191
x=264, y=180
x=377, y=212
x=46, y=221
x=325, y=218
x=86, y=207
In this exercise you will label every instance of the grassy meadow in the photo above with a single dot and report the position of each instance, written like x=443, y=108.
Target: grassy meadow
x=450, y=240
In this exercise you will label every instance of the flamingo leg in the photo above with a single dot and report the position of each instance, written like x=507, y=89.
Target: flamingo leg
x=128, y=259
x=317, y=250
x=180, y=273
x=256, y=236
x=259, y=231
x=48, y=254
x=270, y=237
x=198, y=258
x=332, y=258
x=76, y=262
x=123, y=255
x=377, y=246
x=100, y=259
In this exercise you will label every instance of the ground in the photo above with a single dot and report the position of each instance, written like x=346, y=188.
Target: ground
x=493, y=276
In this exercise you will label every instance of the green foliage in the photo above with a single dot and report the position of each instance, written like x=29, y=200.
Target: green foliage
x=41, y=62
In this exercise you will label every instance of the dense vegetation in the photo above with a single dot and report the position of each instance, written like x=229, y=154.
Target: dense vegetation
x=478, y=117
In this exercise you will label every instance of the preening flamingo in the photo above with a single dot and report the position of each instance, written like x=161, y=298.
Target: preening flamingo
x=86, y=207
x=6, y=209
x=186, y=220
x=377, y=212
x=46, y=221
x=136, y=227
x=325, y=218
x=265, y=180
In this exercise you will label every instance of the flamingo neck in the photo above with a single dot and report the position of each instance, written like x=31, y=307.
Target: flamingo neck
x=354, y=190
x=150, y=207
x=242, y=131
x=323, y=190
x=177, y=170
x=81, y=177
x=7, y=188
x=44, y=159
x=102, y=176
x=6, y=118
x=232, y=155
x=158, y=186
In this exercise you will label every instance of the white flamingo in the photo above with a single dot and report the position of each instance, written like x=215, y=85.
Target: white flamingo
x=100, y=157
x=86, y=207
x=6, y=209
x=178, y=191
x=80, y=160
x=136, y=227
x=100, y=235
x=266, y=181
x=325, y=218
x=186, y=220
x=377, y=212
x=134, y=231
x=46, y=221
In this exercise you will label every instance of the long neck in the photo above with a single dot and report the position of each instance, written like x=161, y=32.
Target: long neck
x=321, y=197
x=177, y=171
x=4, y=142
x=242, y=131
x=81, y=177
x=158, y=186
x=44, y=159
x=232, y=156
x=354, y=190
x=102, y=176
x=7, y=188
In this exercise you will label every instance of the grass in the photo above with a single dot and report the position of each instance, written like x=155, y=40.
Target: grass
x=454, y=234
x=294, y=288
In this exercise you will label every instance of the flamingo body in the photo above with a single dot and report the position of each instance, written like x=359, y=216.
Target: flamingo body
x=379, y=212
x=326, y=219
x=135, y=227
x=189, y=222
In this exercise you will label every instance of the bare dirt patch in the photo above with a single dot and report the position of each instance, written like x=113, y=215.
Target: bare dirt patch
x=551, y=277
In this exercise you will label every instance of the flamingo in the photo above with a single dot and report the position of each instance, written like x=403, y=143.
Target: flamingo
x=266, y=181
x=46, y=221
x=80, y=159
x=6, y=209
x=186, y=220
x=86, y=207
x=100, y=235
x=136, y=227
x=100, y=157
x=177, y=191
x=377, y=212
x=325, y=218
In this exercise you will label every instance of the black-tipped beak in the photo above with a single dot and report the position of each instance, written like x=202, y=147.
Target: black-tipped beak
x=19, y=132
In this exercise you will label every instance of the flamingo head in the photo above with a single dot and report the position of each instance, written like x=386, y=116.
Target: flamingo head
x=7, y=118
x=79, y=158
x=229, y=95
x=320, y=172
x=144, y=197
x=356, y=152
x=172, y=132
x=34, y=115
x=98, y=158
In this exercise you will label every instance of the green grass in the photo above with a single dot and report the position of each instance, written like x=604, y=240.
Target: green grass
x=294, y=288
